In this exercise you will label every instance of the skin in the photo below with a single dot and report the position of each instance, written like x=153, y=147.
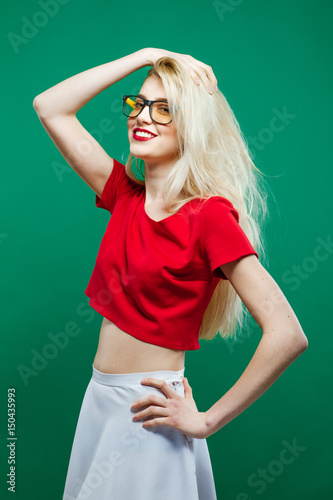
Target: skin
x=159, y=153
x=179, y=412
x=283, y=339
x=201, y=73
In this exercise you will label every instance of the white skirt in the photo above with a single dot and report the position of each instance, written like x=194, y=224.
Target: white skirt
x=115, y=458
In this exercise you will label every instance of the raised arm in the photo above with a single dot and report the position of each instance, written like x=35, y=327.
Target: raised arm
x=70, y=95
x=57, y=108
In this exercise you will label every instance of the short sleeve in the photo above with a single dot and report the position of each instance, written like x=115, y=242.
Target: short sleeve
x=117, y=183
x=223, y=239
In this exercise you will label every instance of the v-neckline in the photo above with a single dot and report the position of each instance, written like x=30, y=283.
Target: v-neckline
x=153, y=220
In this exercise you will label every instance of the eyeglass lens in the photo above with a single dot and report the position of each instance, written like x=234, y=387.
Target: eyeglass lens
x=159, y=110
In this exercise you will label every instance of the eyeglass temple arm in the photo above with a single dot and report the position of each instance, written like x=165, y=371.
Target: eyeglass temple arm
x=130, y=102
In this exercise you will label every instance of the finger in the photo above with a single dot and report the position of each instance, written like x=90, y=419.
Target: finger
x=210, y=75
x=148, y=412
x=208, y=70
x=205, y=80
x=193, y=72
x=194, y=76
x=192, y=64
x=151, y=398
x=161, y=384
x=156, y=421
x=208, y=80
x=199, y=73
x=187, y=389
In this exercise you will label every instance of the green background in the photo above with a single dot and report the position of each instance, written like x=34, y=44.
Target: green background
x=269, y=57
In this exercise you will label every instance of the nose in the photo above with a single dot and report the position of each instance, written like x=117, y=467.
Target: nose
x=144, y=116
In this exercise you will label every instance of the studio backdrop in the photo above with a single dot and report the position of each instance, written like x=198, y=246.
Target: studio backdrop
x=272, y=62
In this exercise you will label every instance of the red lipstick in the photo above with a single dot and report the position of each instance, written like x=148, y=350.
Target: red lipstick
x=138, y=138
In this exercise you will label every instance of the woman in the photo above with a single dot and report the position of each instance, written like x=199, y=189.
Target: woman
x=178, y=258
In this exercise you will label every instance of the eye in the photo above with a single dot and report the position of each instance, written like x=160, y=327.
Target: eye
x=163, y=108
x=139, y=103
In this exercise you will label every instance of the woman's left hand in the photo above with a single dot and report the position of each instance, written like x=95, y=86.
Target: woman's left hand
x=174, y=410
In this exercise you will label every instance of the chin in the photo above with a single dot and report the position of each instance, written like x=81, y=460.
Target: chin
x=138, y=155
x=143, y=150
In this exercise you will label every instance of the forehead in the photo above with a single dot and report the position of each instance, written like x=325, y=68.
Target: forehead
x=153, y=89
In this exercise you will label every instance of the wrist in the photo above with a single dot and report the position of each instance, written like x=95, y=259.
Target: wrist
x=151, y=54
x=213, y=425
x=145, y=56
x=209, y=425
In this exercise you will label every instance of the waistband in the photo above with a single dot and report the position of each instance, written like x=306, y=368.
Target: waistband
x=135, y=378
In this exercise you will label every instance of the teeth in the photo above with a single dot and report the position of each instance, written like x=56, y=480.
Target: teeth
x=143, y=134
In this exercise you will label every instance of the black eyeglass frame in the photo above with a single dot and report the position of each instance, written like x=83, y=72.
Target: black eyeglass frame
x=145, y=103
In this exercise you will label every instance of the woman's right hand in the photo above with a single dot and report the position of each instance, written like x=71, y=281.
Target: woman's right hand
x=196, y=69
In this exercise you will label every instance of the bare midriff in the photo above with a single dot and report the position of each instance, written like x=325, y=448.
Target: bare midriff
x=120, y=352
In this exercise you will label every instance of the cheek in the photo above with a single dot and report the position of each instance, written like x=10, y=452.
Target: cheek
x=172, y=137
x=174, y=140
x=170, y=142
x=129, y=131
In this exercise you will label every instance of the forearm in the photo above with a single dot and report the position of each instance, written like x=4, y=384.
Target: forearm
x=273, y=355
x=70, y=95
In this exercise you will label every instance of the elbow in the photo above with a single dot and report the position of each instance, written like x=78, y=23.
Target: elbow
x=294, y=339
x=35, y=104
x=304, y=343
x=39, y=107
x=300, y=342
x=44, y=108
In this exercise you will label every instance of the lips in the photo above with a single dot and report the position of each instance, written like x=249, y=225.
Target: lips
x=138, y=138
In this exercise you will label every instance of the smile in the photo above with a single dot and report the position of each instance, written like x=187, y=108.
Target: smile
x=139, y=135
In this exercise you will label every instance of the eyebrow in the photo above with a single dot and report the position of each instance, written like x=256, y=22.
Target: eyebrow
x=157, y=99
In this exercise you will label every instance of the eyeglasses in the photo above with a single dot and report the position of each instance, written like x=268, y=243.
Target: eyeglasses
x=158, y=110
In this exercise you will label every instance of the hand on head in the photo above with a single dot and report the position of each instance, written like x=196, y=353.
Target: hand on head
x=196, y=69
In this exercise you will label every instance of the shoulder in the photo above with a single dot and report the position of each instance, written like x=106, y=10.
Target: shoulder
x=216, y=207
x=125, y=181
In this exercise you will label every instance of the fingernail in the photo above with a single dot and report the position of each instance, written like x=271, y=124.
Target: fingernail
x=210, y=90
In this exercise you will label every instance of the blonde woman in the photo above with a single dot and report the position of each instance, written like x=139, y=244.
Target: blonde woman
x=178, y=258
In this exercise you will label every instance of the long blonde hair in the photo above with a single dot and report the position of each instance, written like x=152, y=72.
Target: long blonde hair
x=214, y=161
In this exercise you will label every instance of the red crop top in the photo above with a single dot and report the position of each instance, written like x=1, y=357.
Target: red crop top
x=154, y=279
